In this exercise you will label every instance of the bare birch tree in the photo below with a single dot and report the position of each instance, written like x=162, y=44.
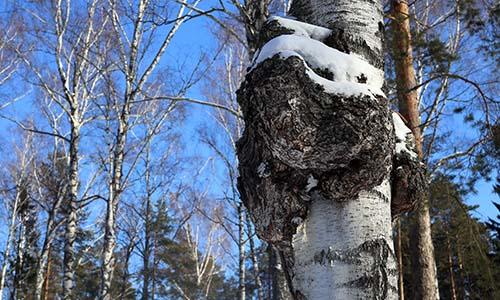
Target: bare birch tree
x=66, y=39
x=141, y=33
x=20, y=180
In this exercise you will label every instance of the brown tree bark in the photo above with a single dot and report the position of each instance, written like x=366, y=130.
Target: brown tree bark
x=423, y=261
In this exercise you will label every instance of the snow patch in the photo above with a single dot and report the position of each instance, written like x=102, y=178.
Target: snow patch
x=297, y=220
x=351, y=74
x=405, y=141
x=303, y=29
x=311, y=183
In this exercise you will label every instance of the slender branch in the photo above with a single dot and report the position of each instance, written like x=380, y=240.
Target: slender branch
x=469, y=151
x=192, y=100
x=34, y=130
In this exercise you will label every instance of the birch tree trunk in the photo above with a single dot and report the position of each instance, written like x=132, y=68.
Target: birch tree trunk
x=71, y=219
x=132, y=46
x=423, y=261
x=399, y=255
x=255, y=262
x=10, y=235
x=317, y=151
x=241, y=246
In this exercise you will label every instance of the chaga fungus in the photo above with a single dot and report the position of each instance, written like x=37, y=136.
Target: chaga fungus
x=409, y=183
x=301, y=132
x=300, y=140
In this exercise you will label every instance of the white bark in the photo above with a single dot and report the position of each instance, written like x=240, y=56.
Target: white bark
x=360, y=21
x=137, y=74
x=241, y=248
x=12, y=228
x=332, y=252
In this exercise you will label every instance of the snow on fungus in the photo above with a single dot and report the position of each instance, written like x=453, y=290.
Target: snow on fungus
x=300, y=28
x=311, y=183
x=351, y=74
x=404, y=136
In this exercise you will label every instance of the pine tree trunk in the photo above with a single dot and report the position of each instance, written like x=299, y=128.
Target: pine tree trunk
x=44, y=260
x=423, y=261
x=315, y=164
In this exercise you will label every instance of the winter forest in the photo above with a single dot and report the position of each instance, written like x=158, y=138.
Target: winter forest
x=249, y=149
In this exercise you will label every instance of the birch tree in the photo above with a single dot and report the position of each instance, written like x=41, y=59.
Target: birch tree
x=318, y=148
x=68, y=39
x=20, y=181
x=133, y=28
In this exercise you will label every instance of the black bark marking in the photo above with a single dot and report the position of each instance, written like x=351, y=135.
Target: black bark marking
x=377, y=279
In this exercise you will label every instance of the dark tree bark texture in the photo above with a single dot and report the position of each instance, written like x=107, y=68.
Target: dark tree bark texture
x=341, y=141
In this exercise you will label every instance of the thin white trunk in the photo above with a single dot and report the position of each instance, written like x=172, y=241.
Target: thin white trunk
x=241, y=244
x=256, y=268
x=348, y=246
x=18, y=283
x=12, y=228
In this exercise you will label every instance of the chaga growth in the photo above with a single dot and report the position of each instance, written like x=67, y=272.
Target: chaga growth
x=409, y=183
x=409, y=179
x=300, y=139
